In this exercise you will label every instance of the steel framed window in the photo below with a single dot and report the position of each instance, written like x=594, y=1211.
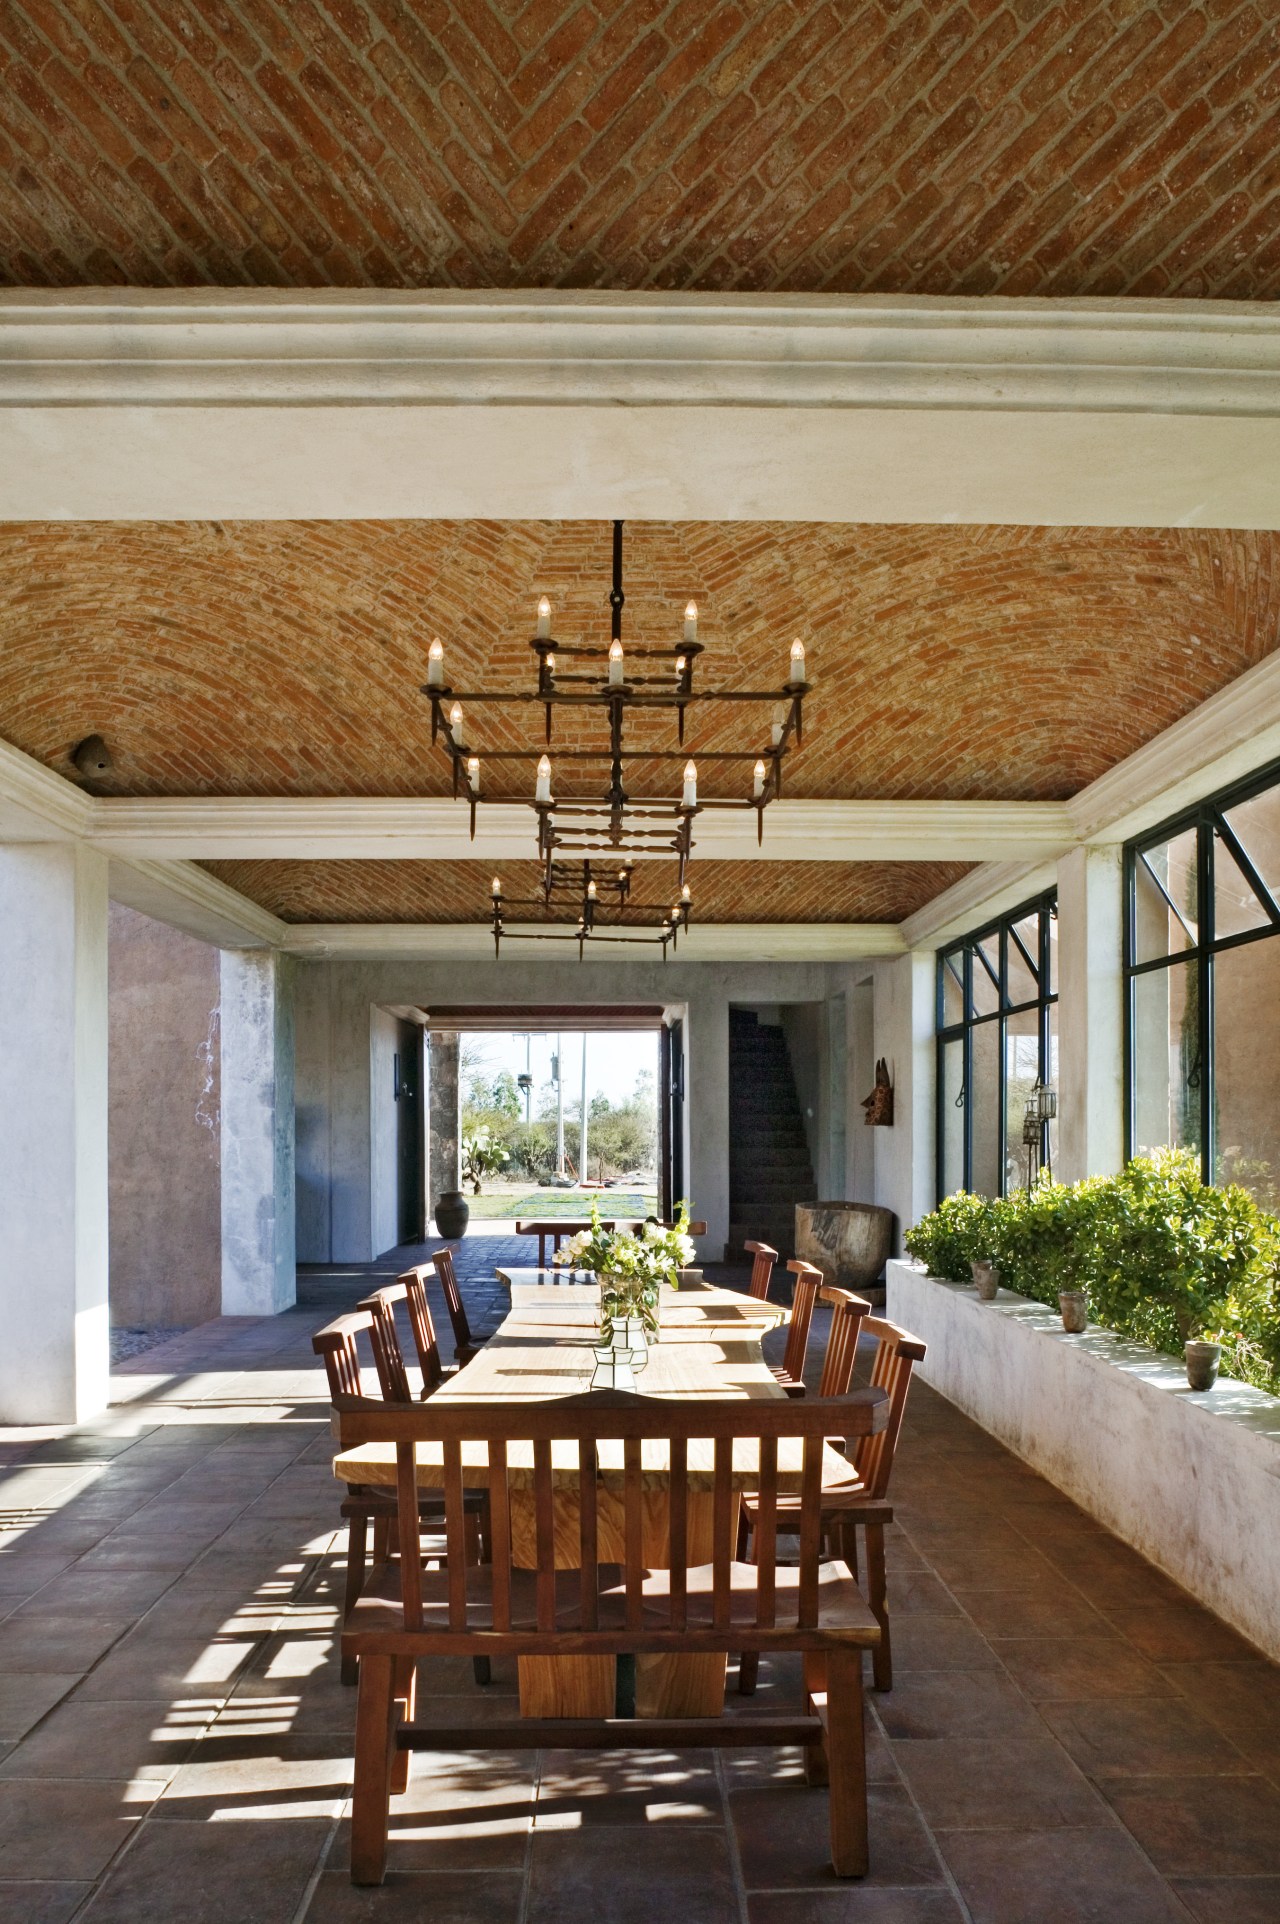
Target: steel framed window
x=1001, y=975
x=1213, y=865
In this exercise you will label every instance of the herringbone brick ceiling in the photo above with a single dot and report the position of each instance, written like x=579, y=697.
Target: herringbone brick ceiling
x=459, y=891
x=1013, y=146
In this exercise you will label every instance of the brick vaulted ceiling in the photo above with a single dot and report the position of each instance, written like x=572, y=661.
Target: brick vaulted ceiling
x=285, y=658
x=1060, y=147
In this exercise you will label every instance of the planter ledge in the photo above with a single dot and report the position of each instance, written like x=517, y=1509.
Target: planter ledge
x=1189, y=1478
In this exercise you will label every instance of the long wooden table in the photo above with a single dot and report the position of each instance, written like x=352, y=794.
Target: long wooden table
x=709, y=1348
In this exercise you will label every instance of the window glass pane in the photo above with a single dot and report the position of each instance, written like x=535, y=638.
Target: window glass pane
x=986, y=975
x=953, y=1098
x=1167, y=914
x=1256, y=825
x=1166, y=1058
x=1236, y=907
x=1021, y=1068
x=984, y=1101
x=1021, y=981
x=952, y=989
x=1246, y=1027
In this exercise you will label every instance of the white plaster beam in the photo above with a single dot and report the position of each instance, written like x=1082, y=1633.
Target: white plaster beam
x=189, y=898
x=187, y=404
x=211, y=828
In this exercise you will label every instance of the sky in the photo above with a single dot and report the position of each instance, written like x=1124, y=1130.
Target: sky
x=613, y=1060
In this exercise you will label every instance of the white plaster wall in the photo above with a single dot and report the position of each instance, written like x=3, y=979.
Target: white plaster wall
x=258, y=1201
x=384, y=1199
x=1090, y=1013
x=1192, y=1481
x=55, y=1357
x=312, y=1069
x=902, y=1031
x=333, y=1006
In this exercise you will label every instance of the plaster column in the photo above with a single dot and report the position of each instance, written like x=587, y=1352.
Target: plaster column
x=706, y=1115
x=444, y=1116
x=55, y=1359
x=903, y=1033
x=259, y=1268
x=1090, y=1013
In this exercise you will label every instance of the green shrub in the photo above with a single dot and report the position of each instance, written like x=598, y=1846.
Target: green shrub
x=1163, y=1255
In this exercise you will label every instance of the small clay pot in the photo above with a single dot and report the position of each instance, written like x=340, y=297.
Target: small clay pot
x=452, y=1214
x=986, y=1278
x=1074, y=1304
x=1203, y=1361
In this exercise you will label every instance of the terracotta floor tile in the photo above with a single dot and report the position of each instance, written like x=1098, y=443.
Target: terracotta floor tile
x=181, y=1670
x=1178, y=1633
x=970, y=1568
x=675, y=1874
x=458, y=1814
x=226, y=1873
x=919, y=1593
x=90, y=1740
x=1058, y=1669
x=1231, y=1900
x=1060, y=1612
x=1057, y=1877
x=418, y=1897
x=956, y=1703
x=25, y=1699
x=57, y=1643
x=67, y=1830
x=27, y=1902
x=1143, y=1736
x=853, y=1905
x=1189, y=1826
x=581, y=1788
x=258, y=1778
x=784, y=1839
x=938, y=1643
x=1020, y=1784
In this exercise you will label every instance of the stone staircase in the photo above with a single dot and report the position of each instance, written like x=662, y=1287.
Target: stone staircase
x=769, y=1166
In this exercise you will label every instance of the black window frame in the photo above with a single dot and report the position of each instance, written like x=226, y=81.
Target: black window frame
x=1208, y=819
x=1045, y=906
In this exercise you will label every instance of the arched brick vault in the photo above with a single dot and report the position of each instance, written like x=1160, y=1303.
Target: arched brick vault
x=1013, y=146
x=265, y=658
x=459, y=891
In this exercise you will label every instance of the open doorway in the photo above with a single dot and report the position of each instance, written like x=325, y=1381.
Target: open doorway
x=554, y=1119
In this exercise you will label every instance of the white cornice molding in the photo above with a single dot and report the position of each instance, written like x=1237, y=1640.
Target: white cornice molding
x=1226, y=738
x=185, y=347
x=187, y=897
x=35, y=804
x=989, y=891
x=721, y=942
x=211, y=828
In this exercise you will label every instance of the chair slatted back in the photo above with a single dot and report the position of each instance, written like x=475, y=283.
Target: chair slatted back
x=336, y=1343
x=443, y=1261
x=847, y=1314
x=763, y=1260
x=709, y=1448
x=897, y=1353
x=808, y=1281
x=423, y=1326
x=393, y=1373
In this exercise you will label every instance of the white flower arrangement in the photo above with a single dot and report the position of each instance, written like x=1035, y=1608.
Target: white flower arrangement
x=635, y=1266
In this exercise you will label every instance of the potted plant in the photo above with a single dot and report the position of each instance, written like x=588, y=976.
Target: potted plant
x=482, y=1153
x=632, y=1269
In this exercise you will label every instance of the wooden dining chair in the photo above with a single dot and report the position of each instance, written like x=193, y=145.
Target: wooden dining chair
x=464, y=1348
x=368, y=1503
x=866, y=1507
x=613, y=1609
x=848, y=1313
x=763, y=1260
x=804, y=1294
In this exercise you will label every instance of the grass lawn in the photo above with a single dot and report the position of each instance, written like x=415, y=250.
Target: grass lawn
x=504, y=1205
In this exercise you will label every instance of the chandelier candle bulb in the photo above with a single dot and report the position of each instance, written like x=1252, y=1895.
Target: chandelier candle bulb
x=777, y=725
x=797, y=660
x=473, y=774
x=615, y=664
x=551, y=664
x=757, y=781
x=691, y=621
x=543, y=791
x=544, y=619
x=435, y=664
x=680, y=665
x=592, y=892
x=686, y=894
x=455, y=724
x=690, y=796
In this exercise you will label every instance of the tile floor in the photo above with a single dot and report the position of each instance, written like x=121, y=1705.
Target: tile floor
x=1070, y=1739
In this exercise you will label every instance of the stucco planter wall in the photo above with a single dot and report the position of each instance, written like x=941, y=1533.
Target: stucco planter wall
x=1192, y=1480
